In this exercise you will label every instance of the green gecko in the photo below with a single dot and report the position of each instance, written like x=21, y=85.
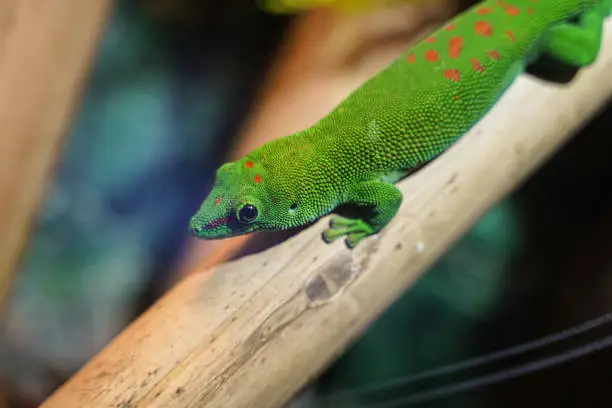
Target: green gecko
x=397, y=122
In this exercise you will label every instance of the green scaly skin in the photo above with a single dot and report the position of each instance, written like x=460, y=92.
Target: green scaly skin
x=395, y=123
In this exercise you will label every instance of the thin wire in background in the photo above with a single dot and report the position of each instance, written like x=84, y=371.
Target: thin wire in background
x=477, y=361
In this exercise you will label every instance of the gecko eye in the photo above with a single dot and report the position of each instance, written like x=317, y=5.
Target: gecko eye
x=247, y=214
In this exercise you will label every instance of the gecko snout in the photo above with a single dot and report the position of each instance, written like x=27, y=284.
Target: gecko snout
x=195, y=228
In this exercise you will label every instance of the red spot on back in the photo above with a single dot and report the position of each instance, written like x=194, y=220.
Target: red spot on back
x=483, y=28
x=511, y=35
x=430, y=40
x=450, y=27
x=513, y=11
x=477, y=65
x=411, y=58
x=530, y=10
x=455, y=45
x=218, y=200
x=452, y=74
x=432, y=55
x=257, y=178
x=484, y=10
x=494, y=54
x=248, y=164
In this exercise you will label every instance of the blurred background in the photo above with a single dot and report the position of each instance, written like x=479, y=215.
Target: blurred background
x=180, y=86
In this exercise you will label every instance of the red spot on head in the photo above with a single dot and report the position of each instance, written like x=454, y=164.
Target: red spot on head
x=452, y=74
x=483, y=28
x=513, y=11
x=430, y=40
x=510, y=35
x=484, y=10
x=494, y=54
x=477, y=65
x=455, y=45
x=218, y=200
x=411, y=58
x=248, y=164
x=432, y=55
x=450, y=27
x=257, y=178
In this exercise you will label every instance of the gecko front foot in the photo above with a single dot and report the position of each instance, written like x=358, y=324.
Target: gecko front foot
x=376, y=203
x=354, y=229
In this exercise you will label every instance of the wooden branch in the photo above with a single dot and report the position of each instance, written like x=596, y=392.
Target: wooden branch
x=260, y=328
x=45, y=51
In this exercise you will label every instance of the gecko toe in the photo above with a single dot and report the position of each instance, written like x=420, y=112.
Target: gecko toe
x=355, y=238
x=330, y=235
x=338, y=222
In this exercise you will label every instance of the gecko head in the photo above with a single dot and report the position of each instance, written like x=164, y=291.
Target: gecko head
x=239, y=203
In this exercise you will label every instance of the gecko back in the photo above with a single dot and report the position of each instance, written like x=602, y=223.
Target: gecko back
x=435, y=92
